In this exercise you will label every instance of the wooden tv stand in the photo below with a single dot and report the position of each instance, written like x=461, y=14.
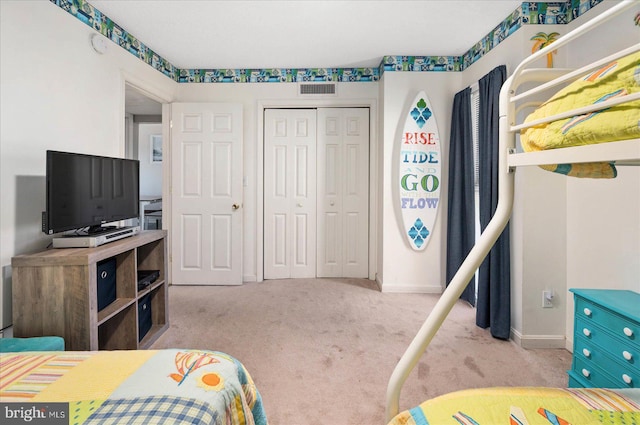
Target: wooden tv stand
x=55, y=293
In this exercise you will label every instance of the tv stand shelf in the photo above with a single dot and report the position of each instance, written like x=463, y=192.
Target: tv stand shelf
x=114, y=308
x=55, y=293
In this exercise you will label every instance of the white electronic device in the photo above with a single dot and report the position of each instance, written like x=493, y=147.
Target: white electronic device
x=91, y=241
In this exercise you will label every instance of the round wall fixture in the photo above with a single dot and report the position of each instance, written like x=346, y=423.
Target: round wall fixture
x=98, y=43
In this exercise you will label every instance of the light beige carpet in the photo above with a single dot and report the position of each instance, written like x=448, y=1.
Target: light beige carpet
x=321, y=350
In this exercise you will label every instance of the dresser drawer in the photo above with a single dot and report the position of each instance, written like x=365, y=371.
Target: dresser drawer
x=624, y=355
x=589, y=351
x=621, y=327
x=589, y=372
x=622, y=375
x=575, y=381
x=627, y=352
x=595, y=334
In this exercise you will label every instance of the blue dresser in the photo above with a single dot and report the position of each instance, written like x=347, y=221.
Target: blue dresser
x=606, y=339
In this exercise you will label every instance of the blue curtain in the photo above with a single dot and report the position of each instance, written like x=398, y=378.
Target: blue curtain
x=494, y=278
x=460, y=215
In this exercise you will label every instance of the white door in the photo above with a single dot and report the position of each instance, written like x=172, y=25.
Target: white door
x=289, y=193
x=206, y=193
x=343, y=192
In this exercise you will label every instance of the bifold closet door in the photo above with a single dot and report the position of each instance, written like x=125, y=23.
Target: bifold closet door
x=343, y=192
x=289, y=193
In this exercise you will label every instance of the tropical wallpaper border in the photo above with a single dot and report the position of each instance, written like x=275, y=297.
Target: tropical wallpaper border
x=528, y=13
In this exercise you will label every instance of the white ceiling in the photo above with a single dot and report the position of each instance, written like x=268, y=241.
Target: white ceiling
x=223, y=34
x=137, y=103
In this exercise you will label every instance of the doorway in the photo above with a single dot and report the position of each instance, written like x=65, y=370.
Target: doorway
x=143, y=141
x=316, y=192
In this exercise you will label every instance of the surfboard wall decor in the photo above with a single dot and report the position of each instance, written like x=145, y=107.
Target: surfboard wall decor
x=420, y=170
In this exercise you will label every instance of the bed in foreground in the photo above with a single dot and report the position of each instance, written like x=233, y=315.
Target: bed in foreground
x=527, y=406
x=134, y=386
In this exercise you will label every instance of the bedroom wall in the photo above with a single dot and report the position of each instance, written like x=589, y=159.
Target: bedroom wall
x=57, y=93
x=406, y=270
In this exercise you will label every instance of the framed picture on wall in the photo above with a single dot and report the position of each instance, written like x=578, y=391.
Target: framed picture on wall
x=156, y=148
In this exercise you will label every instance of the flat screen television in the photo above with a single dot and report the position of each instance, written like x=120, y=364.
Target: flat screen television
x=86, y=191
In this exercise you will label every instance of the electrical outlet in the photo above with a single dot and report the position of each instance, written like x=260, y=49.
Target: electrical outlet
x=547, y=299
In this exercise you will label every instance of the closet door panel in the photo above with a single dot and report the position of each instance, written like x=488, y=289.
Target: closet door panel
x=290, y=194
x=343, y=192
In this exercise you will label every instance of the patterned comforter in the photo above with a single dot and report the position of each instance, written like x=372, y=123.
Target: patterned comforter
x=145, y=387
x=622, y=122
x=527, y=406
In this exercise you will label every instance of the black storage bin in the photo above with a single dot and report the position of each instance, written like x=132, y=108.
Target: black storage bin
x=144, y=316
x=106, y=282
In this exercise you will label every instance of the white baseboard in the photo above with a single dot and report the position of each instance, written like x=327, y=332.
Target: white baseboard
x=250, y=278
x=538, y=341
x=410, y=289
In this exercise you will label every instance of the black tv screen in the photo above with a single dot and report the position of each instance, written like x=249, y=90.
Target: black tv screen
x=86, y=191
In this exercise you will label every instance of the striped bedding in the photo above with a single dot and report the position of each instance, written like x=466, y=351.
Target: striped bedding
x=527, y=406
x=145, y=387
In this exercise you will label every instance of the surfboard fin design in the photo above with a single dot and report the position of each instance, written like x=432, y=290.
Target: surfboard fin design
x=421, y=113
x=418, y=233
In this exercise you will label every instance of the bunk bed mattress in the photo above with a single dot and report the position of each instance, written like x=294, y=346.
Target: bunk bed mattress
x=145, y=386
x=527, y=405
x=620, y=122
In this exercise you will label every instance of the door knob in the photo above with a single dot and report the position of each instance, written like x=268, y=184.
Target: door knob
x=235, y=206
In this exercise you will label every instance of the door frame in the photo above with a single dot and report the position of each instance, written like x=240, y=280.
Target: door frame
x=165, y=99
x=372, y=104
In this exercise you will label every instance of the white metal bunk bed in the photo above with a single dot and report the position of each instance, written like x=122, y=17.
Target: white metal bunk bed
x=625, y=152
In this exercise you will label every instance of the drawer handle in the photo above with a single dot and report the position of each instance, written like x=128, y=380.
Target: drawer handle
x=586, y=373
x=628, y=332
x=587, y=312
x=627, y=355
x=586, y=353
x=626, y=378
x=586, y=332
